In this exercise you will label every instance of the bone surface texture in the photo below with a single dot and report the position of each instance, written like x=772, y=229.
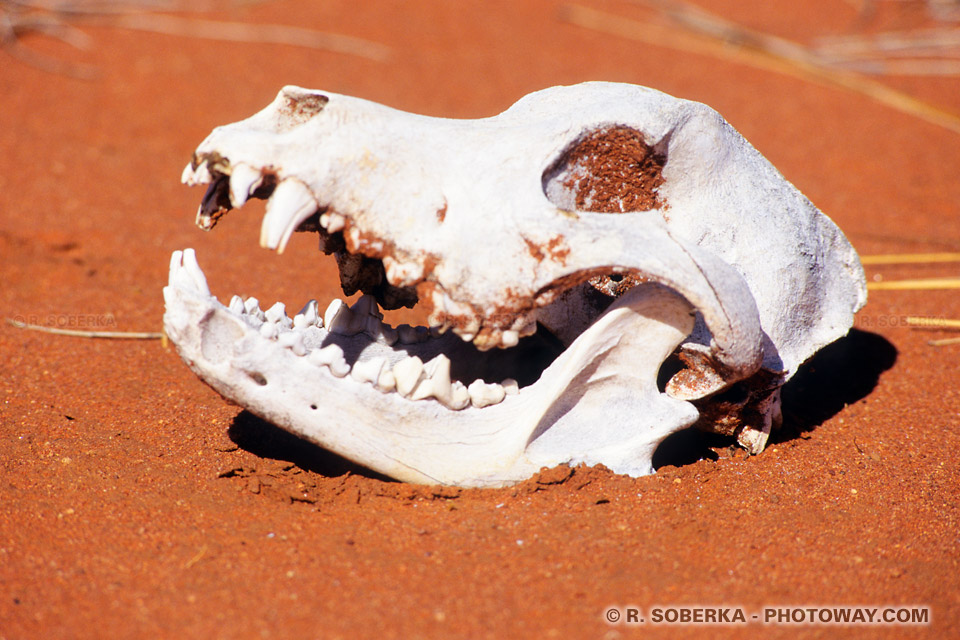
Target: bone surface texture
x=602, y=264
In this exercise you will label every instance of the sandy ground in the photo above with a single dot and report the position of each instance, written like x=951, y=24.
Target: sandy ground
x=135, y=502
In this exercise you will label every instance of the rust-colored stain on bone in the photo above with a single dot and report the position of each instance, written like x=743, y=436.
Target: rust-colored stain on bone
x=299, y=109
x=616, y=171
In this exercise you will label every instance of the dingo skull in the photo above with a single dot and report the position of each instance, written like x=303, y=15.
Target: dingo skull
x=613, y=265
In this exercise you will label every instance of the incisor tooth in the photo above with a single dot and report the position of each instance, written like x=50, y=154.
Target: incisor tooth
x=407, y=373
x=290, y=204
x=269, y=330
x=332, y=222
x=244, y=180
x=236, y=305
x=484, y=395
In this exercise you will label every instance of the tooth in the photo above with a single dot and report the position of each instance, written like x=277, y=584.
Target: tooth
x=331, y=356
x=308, y=316
x=236, y=305
x=276, y=313
x=269, y=330
x=332, y=222
x=192, y=177
x=339, y=319
x=407, y=373
x=252, y=306
x=384, y=332
x=244, y=180
x=412, y=335
x=437, y=385
x=368, y=370
x=290, y=204
x=387, y=381
x=214, y=204
x=402, y=274
x=528, y=329
x=191, y=275
x=366, y=305
x=292, y=340
x=509, y=338
x=510, y=386
x=484, y=395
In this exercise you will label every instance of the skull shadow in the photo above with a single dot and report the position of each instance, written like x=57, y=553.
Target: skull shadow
x=836, y=376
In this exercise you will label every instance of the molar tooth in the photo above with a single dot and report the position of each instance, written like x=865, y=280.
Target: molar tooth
x=484, y=395
x=437, y=385
x=368, y=370
x=366, y=305
x=387, y=381
x=236, y=305
x=339, y=319
x=332, y=222
x=292, y=340
x=387, y=334
x=244, y=180
x=510, y=386
x=509, y=338
x=308, y=316
x=412, y=335
x=401, y=274
x=407, y=373
x=290, y=204
x=331, y=356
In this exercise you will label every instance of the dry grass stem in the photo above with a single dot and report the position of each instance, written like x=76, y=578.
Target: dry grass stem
x=915, y=285
x=944, y=342
x=695, y=31
x=910, y=258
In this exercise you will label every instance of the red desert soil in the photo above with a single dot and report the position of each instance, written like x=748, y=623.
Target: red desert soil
x=136, y=503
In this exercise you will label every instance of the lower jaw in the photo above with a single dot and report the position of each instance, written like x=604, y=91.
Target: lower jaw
x=384, y=398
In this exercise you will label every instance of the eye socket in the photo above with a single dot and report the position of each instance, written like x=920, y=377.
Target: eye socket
x=607, y=170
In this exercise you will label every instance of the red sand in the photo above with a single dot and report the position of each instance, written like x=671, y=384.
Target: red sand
x=137, y=503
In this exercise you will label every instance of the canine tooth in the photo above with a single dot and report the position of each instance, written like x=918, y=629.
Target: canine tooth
x=509, y=338
x=308, y=316
x=188, y=272
x=332, y=222
x=366, y=305
x=407, y=373
x=339, y=319
x=292, y=340
x=276, y=313
x=368, y=370
x=269, y=330
x=484, y=395
x=290, y=204
x=236, y=305
x=331, y=356
x=244, y=180
x=510, y=386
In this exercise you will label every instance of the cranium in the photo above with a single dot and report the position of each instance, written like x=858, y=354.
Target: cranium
x=625, y=255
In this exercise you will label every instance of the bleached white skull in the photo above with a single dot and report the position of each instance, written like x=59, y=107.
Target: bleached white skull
x=669, y=273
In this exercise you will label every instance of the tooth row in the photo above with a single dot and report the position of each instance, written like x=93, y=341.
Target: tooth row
x=410, y=377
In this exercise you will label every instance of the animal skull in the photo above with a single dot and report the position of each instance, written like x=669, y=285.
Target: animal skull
x=626, y=255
